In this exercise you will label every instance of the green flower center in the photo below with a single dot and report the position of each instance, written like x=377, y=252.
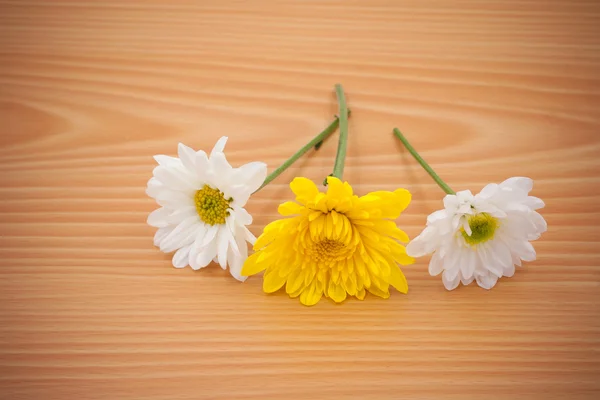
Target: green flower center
x=211, y=205
x=483, y=226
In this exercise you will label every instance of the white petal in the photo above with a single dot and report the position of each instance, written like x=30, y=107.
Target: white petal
x=249, y=236
x=436, y=265
x=158, y=218
x=193, y=257
x=241, y=242
x=161, y=234
x=464, y=196
x=524, y=250
x=436, y=216
x=516, y=260
x=488, y=208
x=167, y=161
x=499, y=257
x=219, y=146
x=180, y=259
x=427, y=242
x=181, y=236
x=182, y=214
x=174, y=179
x=219, y=174
x=466, y=226
x=518, y=207
x=235, y=265
x=202, y=165
x=450, y=202
x=206, y=254
x=231, y=228
x=452, y=263
x=469, y=265
x=242, y=216
x=457, y=221
x=154, y=187
x=534, y=203
x=223, y=245
x=486, y=281
x=174, y=199
x=416, y=247
x=450, y=284
x=521, y=183
x=538, y=222
x=485, y=254
x=508, y=270
x=187, y=156
x=211, y=233
x=219, y=164
x=252, y=175
x=488, y=191
x=239, y=193
x=466, y=281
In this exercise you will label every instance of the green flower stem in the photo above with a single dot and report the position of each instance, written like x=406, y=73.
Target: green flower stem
x=340, y=158
x=315, y=142
x=423, y=163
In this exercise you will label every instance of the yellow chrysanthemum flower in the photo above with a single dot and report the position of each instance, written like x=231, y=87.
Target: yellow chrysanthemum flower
x=335, y=243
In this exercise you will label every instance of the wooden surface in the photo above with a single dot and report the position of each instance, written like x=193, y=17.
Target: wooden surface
x=89, y=91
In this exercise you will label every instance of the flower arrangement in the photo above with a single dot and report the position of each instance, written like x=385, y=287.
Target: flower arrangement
x=334, y=243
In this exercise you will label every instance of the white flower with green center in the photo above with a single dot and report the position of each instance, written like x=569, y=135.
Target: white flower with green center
x=202, y=216
x=479, y=237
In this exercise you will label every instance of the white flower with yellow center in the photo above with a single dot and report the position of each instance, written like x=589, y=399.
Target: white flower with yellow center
x=202, y=216
x=479, y=237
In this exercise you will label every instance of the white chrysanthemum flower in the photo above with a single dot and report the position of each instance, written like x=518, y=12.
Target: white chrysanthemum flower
x=482, y=237
x=202, y=215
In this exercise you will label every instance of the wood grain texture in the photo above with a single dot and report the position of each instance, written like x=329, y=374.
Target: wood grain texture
x=486, y=90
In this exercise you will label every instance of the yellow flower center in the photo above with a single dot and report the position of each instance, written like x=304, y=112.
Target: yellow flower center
x=327, y=251
x=211, y=205
x=483, y=226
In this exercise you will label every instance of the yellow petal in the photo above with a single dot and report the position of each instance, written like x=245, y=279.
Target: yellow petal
x=329, y=226
x=360, y=294
x=304, y=189
x=272, y=281
x=290, y=208
x=398, y=280
x=338, y=222
x=297, y=293
x=314, y=215
x=335, y=273
x=337, y=293
x=344, y=269
x=335, y=216
x=269, y=234
x=399, y=253
x=351, y=285
x=360, y=266
x=336, y=189
x=251, y=267
x=368, y=232
x=404, y=198
x=294, y=281
x=383, y=204
x=367, y=280
x=378, y=292
x=310, y=296
x=389, y=228
x=320, y=203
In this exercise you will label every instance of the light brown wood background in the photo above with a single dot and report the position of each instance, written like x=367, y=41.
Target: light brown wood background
x=486, y=90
